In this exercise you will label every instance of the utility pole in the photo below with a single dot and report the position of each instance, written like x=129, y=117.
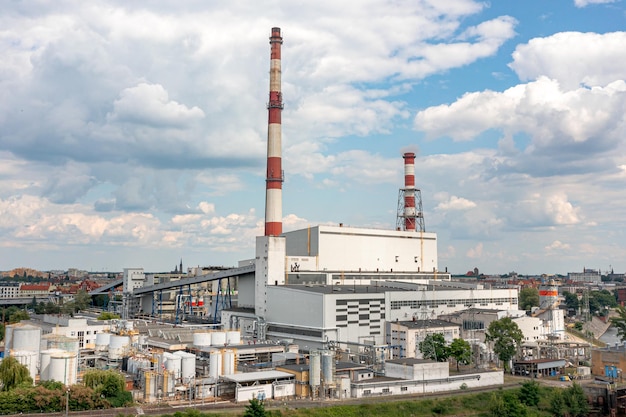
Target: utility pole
x=67, y=402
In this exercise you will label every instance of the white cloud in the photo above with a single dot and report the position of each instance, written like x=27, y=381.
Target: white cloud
x=557, y=245
x=476, y=252
x=150, y=104
x=455, y=203
x=573, y=59
x=585, y=3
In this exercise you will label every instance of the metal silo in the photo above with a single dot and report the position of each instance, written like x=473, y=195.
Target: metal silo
x=218, y=339
x=28, y=359
x=328, y=366
x=26, y=337
x=314, y=369
x=63, y=368
x=215, y=363
x=187, y=365
x=202, y=339
x=233, y=337
x=228, y=364
x=44, y=363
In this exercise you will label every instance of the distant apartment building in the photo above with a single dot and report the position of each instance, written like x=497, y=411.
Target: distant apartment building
x=9, y=290
x=588, y=275
x=43, y=289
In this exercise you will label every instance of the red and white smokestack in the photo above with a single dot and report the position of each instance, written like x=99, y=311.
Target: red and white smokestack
x=409, y=191
x=274, y=178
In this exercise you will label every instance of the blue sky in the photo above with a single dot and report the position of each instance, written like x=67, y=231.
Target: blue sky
x=134, y=134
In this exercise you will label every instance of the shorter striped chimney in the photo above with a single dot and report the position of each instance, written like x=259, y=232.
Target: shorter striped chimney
x=410, y=216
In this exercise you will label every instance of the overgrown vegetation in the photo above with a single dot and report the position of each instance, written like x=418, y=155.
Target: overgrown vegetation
x=530, y=400
x=18, y=395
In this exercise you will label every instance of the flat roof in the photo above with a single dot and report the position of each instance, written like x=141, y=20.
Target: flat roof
x=421, y=324
x=257, y=376
x=344, y=289
x=409, y=361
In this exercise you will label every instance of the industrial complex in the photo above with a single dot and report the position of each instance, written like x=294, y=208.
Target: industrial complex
x=329, y=311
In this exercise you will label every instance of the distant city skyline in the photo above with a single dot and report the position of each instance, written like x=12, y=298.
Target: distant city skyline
x=134, y=134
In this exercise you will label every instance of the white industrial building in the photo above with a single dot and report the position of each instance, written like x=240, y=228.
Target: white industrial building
x=404, y=337
x=419, y=376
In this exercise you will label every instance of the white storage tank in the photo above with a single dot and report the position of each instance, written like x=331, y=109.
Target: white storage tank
x=173, y=364
x=328, y=366
x=187, y=365
x=138, y=363
x=218, y=339
x=44, y=363
x=25, y=337
x=215, y=363
x=59, y=341
x=118, y=345
x=228, y=361
x=314, y=369
x=28, y=359
x=63, y=368
x=233, y=337
x=201, y=339
x=102, y=342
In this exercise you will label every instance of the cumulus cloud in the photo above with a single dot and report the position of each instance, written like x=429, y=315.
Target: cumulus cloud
x=572, y=59
x=150, y=104
x=455, y=203
x=557, y=245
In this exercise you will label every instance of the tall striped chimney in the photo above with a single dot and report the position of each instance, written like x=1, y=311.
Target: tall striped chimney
x=410, y=215
x=409, y=191
x=274, y=178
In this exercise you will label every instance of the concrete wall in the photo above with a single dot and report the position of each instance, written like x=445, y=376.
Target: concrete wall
x=482, y=379
x=417, y=371
x=354, y=249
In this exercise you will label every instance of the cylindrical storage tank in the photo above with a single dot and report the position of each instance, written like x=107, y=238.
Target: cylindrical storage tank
x=215, y=363
x=218, y=339
x=59, y=341
x=187, y=365
x=173, y=364
x=102, y=342
x=169, y=382
x=233, y=337
x=314, y=369
x=44, y=363
x=228, y=361
x=150, y=382
x=328, y=366
x=28, y=359
x=63, y=367
x=548, y=295
x=201, y=339
x=8, y=339
x=26, y=337
x=118, y=346
x=138, y=363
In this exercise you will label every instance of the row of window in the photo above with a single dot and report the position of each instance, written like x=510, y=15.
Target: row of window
x=397, y=305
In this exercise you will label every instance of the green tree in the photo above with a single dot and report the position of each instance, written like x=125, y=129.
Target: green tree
x=434, y=347
x=557, y=404
x=18, y=315
x=255, y=409
x=571, y=301
x=529, y=393
x=51, y=308
x=506, y=336
x=12, y=374
x=619, y=322
x=2, y=331
x=82, y=300
x=108, y=384
x=107, y=315
x=600, y=300
x=461, y=351
x=576, y=401
x=528, y=298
